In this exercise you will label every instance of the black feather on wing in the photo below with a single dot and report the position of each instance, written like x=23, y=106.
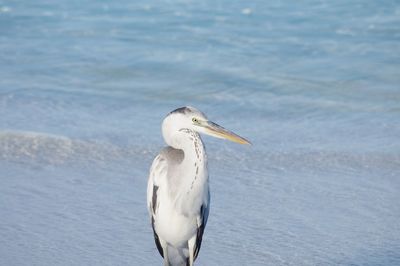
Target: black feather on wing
x=204, y=210
x=154, y=206
x=154, y=199
x=158, y=244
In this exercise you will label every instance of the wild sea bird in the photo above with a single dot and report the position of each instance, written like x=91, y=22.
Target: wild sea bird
x=178, y=197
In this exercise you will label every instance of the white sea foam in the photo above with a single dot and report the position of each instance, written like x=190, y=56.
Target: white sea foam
x=5, y=9
x=247, y=11
x=51, y=149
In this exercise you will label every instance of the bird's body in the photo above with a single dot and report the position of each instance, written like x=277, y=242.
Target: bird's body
x=178, y=197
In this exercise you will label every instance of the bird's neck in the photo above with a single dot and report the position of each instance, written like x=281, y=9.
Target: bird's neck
x=193, y=174
x=190, y=142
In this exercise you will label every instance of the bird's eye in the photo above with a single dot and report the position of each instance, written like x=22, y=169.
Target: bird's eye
x=194, y=120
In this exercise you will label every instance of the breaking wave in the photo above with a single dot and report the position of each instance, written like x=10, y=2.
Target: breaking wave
x=56, y=149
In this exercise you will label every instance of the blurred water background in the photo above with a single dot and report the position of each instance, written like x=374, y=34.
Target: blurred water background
x=84, y=86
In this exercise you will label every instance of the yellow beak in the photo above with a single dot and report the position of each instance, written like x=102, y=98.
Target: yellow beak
x=216, y=130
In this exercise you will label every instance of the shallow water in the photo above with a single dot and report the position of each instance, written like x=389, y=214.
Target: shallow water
x=314, y=85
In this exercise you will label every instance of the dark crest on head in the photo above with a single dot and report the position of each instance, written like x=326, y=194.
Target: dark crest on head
x=182, y=110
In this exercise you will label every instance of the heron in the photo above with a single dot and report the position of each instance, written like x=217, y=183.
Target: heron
x=178, y=196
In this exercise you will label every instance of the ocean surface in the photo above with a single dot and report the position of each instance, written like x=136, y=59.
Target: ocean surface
x=314, y=85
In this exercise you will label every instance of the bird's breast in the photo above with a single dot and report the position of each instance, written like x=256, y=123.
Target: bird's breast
x=173, y=225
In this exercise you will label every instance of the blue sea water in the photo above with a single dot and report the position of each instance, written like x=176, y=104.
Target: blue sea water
x=315, y=85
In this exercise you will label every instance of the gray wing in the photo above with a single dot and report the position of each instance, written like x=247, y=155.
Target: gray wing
x=157, y=177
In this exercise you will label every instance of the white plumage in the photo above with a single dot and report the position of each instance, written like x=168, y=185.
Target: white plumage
x=178, y=197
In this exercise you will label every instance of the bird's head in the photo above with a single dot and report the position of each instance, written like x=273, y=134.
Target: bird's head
x=190, y=118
